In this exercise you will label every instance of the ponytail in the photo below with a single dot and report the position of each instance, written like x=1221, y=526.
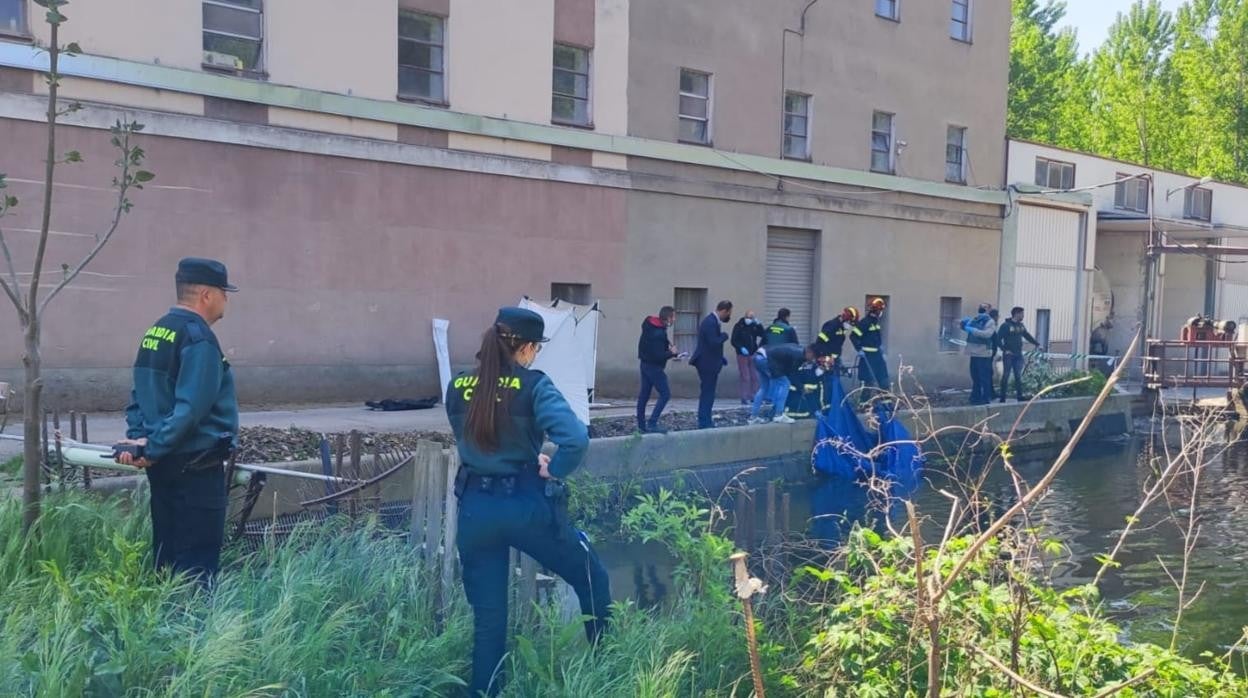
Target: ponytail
x=489, y=406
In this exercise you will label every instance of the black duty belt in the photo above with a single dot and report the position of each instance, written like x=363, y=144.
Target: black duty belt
x=494, y=484
x=202, y=460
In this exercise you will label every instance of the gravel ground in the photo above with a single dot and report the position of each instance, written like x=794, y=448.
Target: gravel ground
x=270, y=445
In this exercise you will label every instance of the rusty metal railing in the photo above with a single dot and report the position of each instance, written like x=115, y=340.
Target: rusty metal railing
x=1172, y=363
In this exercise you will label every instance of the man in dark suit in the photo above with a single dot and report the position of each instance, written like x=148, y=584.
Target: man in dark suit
x=708, y=359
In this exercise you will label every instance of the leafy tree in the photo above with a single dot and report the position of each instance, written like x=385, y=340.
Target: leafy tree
x=1046, y=75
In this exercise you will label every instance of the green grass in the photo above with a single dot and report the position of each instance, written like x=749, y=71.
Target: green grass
x=341, y=612
x=325, y=614
x=11, y=466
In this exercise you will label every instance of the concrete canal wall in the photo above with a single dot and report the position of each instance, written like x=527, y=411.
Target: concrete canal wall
x=714, y=456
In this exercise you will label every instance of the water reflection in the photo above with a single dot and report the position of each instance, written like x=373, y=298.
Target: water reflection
x=1086, y=509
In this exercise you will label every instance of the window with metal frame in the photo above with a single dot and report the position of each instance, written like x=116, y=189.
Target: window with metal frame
x=234, y=35
x=1055, y=174
x=955, y=155
x=13, y=18
x=690, y=304
x=950, y=319
x=960, y=21
x=695, y=107
x=796, y=126
x=1198, y=204
x=577, y=294
x=570, y=92
x=888, y=9
x=1131, y=194
x=882, y=142
x=422, y=57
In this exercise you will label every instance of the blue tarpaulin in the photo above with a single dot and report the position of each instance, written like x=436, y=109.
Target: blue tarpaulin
x=842, y=442
x=840, y=438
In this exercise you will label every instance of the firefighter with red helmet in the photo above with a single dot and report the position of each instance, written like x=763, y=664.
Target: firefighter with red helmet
x=869, y=343
x=831, y=340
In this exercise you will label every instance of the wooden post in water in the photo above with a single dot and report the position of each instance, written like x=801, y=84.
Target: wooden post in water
x=73, y=425
x=771, y=511
x=786, y=501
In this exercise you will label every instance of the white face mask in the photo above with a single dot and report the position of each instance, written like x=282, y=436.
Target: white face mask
x=525, y=362
x=749, y=321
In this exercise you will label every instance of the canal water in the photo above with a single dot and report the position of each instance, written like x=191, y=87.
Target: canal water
x=1086, y=509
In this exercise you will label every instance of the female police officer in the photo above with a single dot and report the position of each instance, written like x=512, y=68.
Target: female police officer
x=509, y=492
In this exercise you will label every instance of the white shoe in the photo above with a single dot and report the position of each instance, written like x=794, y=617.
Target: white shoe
x=784, y=419
x=754, y=420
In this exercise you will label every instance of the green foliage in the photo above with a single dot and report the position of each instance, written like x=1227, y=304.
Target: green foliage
x=682, y=527
x=325, y=615
x=11, y=466
x=1046, y=75
x=872, y=641
x=1164, y=89
x=597, y=505
x=336, y=611
x=1040, y=374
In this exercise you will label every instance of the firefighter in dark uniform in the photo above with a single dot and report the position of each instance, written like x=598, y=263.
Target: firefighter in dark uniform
x=831, y=340
x=512, y=496
x=869, y=342
x=182, y=422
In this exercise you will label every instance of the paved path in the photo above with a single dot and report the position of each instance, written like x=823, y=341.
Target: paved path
x=105, y=427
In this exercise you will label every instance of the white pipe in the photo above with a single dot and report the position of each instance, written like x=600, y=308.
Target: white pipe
x=101, y=457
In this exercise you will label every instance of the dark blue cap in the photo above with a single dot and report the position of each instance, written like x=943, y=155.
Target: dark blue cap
x=205, y=272
x=523, y=324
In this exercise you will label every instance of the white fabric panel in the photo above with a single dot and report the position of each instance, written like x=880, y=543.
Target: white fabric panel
x=561, y=358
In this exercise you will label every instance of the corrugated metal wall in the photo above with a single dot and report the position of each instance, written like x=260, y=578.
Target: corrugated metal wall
x=1046, y=275
x=791, y=278
x=1233, y=302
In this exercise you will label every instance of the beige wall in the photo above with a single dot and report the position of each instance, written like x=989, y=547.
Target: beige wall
x=349, y=48
x=499, y=58
x=113, y=93
x=167, y=32
x=609, y=80
x=850, y=61
x=329, y=123
x=681, y=241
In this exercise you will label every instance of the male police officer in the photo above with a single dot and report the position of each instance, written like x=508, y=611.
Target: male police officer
x=183, y=416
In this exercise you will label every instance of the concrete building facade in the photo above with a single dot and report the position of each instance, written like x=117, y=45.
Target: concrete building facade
x=365, y=172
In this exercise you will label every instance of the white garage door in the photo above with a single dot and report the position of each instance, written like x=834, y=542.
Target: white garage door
x=791, y=278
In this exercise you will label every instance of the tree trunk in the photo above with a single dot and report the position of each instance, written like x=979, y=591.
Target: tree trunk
x=32, y=458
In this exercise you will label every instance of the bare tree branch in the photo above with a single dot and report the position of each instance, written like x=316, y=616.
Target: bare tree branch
x=1111, y=690
x=123, y=186
x=13, y=287
x=1042, y=486
x=14, y=296
x=1000, y=666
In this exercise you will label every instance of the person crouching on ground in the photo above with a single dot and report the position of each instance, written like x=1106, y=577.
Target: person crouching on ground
x=775, y=364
